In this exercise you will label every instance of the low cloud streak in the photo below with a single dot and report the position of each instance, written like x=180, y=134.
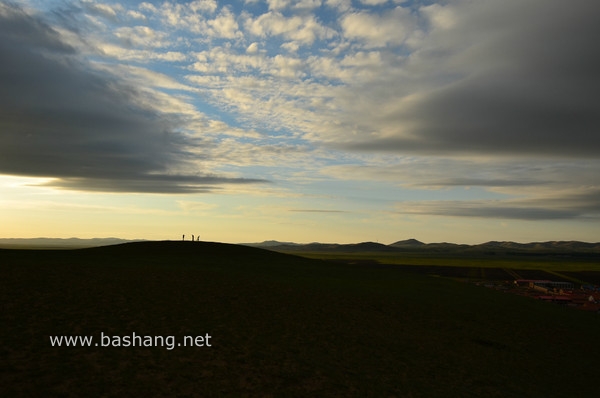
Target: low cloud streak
x=584, y=205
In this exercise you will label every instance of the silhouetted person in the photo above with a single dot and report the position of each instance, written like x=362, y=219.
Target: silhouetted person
x=198, y=238
x=183, y=237
x=192, y=238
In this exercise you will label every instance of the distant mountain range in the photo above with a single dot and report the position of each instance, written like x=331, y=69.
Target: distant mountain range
x=415, y=245
x=71, y=243
x=408, y=245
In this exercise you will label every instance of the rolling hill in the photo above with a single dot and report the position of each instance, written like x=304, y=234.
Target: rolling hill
x=280, y=325
x=415, y=245
x=58, y=243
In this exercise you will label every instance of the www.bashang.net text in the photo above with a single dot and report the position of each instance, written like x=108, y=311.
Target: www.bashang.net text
x=133, y=340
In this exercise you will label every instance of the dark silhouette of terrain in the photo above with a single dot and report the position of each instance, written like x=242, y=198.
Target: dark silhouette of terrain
x=50, y=243
x=280, y=325
x=415, y=245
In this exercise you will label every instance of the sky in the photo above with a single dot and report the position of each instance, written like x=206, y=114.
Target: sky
x=314, y=120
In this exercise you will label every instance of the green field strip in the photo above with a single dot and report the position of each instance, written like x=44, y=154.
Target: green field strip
x=546, y=262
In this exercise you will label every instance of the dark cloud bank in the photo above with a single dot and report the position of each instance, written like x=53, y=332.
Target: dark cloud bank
x=89, y=131
x=514, y=78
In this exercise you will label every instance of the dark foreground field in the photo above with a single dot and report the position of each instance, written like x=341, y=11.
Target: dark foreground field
x=281, y=326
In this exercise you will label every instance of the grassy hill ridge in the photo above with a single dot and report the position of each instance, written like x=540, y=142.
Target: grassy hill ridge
x=413, y=245
x=281, y=326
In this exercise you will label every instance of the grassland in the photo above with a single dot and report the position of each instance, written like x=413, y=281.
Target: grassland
x=552, y=262
x=579, y=268
x=281, y=325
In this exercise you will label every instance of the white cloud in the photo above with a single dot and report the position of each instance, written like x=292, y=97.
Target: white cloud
x=269, y=101
x=220, y=60
x=302, y=29
x=252, y=48
x=217, y=127
x=203, y=5
x=224, y=25
x=353, y=69
x=105, y=10
x=143, y=77
x=166, y=103
x=373, y=2
x=278, y=4
x=393, y=28
x=307, y=4
x=188, y=16
x=141, y=36
x=148, y=7
x=136, y=15
x=361, y=59
x=234, y=152
x=171, y=56
x=205, y=81
x=286, y=66
x=440, y=17
x=114, y=51
x=291, y=46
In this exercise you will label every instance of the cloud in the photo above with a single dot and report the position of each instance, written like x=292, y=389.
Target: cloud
x=252, y=48
x=136, y=15
x=501, y=78
x=435, y=173
x=142, y=56
x=392, y=28
x=528, y=190
x=149, y=183
x=148, y=7
x=103, y=10
x=225, y=25
x=484, y=209
x=203, y=5
x=582, y=205
x=303, y=29
x=88, y=130
x=189, y=16
x=374, y=2
x=142, y=77
x=141, y=36
x=492, y=102
x=307, y=4
x=278, y=156
x=278, y=4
